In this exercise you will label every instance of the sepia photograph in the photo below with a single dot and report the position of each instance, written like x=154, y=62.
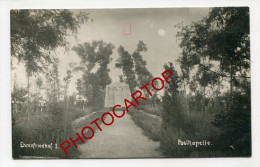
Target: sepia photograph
x=130, y=83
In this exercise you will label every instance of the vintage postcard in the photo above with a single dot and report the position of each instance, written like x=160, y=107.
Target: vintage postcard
x=130, y=83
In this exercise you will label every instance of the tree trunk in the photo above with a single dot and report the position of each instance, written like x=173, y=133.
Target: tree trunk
x=28, y=87
x=28, y=97
x=204, y=99
x=188, y=109
x=231, y=82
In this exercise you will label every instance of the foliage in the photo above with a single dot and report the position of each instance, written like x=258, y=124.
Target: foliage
x=215, y=51
x=125, y=62
x=134, y=68
x=53, y=126
x=94, y=56
x=143, y=75
x=34, y=33
x=67, y=80
x=90, y=117
x=169, y=143
x=19, y=95
x=151, y=126
x=173, y=113
x=53, y=85
x=234, y=120
x=154, y=110
x=217, y=47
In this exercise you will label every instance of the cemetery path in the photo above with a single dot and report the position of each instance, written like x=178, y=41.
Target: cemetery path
x=122, y=139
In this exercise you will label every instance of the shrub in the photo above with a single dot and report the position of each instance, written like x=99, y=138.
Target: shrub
x=234, y=123
x=151, y=126
x=53, y=127
x=152, y=110
x=169, y=143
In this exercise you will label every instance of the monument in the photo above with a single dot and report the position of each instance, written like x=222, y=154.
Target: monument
x=116, y=93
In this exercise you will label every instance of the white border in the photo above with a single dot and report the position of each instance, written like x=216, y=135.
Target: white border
x=5, y=114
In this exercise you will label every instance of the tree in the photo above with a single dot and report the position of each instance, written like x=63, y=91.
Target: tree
x=173, y=115
x=134, y=68
x=142, y=73
x=37, y=96
x=19, y=95
x=175, y=124
x=95, y=58
x=35, y=33
x=218, y=46
x=79, y=87
x=125, y=62
x=234, y=121
x=53, y=86
x=214, y=50
x=67, y=80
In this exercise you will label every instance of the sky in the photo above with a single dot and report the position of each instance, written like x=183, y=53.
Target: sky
x=155, y=27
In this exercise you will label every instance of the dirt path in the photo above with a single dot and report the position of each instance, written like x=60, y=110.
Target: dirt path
x=122, y=139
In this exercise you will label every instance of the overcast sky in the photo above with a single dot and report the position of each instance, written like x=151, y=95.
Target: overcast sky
x=154, y=26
